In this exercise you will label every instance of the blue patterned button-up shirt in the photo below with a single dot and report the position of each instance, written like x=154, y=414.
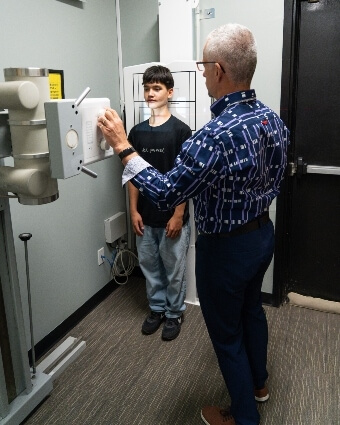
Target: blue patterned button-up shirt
x=232, y=168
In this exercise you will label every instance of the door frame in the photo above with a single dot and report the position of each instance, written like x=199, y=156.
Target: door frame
x=290, y=67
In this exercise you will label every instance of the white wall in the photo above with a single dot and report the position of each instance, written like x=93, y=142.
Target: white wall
x=79, y=38
x=265, y=19
x=139, y=29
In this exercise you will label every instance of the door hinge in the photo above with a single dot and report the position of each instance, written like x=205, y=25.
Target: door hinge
x=298, y=167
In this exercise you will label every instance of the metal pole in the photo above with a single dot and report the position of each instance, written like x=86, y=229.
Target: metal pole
x=26, y=237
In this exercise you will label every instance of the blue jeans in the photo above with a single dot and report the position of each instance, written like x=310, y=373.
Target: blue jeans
x=163, y=263
x=229, y=275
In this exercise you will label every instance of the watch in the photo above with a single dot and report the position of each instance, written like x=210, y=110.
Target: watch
x=126, y=152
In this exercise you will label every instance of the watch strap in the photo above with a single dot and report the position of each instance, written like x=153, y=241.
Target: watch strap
x=126, y=152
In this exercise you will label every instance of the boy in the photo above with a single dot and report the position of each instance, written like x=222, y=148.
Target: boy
x=162, y=237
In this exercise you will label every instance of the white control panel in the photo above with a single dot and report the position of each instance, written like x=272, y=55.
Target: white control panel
x=95, y=148
x=74, y=138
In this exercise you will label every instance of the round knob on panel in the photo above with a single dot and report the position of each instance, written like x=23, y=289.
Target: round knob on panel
x=101, y=112
x=104, y=146
x=72, y=139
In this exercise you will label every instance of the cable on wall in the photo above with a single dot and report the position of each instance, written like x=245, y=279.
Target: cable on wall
x=122, y=263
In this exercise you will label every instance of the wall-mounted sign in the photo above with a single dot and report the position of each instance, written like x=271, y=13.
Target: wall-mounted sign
x=56, y=78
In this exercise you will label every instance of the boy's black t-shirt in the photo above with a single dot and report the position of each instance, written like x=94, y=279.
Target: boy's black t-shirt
x=159, y=146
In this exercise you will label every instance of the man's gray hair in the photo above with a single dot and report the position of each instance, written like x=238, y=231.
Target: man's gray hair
x=234, y=45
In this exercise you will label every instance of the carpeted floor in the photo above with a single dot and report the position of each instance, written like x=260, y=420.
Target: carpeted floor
x=126, y=378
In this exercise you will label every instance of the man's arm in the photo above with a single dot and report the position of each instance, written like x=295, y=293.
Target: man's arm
x=198, y=166
x=136, y=218
x=175, y=224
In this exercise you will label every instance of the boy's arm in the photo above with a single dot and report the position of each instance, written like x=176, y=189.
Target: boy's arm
x=175, y=224
x=136, y=218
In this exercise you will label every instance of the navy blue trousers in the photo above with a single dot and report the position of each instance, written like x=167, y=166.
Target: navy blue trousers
x=229, y=275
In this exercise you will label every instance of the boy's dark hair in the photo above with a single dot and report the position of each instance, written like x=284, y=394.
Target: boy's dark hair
x=158, y=74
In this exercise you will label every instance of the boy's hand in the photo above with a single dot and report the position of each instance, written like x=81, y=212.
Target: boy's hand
x=137, y=223
x=174, y=227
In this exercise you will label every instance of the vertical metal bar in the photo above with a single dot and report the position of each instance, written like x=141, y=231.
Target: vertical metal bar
x=4, y=406
x=30, y=307
x=13, y=301
x=5, y=351
x=120, y=59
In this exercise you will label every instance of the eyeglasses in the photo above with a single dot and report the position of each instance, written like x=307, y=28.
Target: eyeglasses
x=200, y=66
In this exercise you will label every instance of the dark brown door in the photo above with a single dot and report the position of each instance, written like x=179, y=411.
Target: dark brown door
x=308, y=226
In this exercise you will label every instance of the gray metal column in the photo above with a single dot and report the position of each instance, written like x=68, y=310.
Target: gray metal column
x=4, y=409
x=19, y=392
x=12, y=302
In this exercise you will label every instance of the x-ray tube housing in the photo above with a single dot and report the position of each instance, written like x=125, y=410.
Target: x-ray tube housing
x=24, y=93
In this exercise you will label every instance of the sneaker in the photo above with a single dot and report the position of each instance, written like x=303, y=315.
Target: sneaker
x=172, y=328
x=213, y=415
x=152, y=322
x=261, y=395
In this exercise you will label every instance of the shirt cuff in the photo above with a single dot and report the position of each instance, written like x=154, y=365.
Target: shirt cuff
x=133, y=167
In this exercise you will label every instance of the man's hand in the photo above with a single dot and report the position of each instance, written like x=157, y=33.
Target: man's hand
x=113, y=130
x=137, y=223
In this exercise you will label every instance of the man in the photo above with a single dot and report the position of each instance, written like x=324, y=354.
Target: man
x=162, y=236
x=232, y=168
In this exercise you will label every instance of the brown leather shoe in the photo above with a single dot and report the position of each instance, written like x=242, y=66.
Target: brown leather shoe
x=213, y=415
x=261, y=395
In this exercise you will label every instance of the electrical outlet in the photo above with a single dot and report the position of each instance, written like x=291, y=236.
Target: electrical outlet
x=100, y=253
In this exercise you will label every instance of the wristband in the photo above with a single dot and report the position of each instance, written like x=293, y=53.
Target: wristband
x=126, y=152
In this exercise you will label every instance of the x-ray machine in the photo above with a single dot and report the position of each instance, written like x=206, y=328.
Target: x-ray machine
x=48, y=140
